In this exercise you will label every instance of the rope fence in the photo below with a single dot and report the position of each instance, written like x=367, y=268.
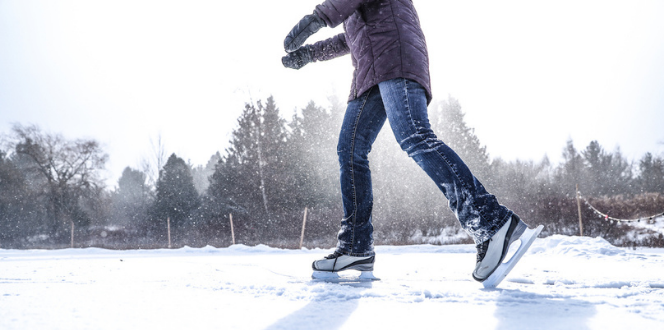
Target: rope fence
x=610, y=218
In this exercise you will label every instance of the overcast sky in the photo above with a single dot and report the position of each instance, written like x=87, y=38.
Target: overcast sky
x=529, y=74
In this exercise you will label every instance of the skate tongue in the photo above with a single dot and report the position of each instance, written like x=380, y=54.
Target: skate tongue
x=481, y=250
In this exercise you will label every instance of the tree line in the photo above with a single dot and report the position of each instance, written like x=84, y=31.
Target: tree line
x=274, y=168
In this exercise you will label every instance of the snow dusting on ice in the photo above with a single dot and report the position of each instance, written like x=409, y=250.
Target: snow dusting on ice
x=562, y=283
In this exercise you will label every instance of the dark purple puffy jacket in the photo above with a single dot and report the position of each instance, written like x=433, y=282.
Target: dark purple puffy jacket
x=384, y=38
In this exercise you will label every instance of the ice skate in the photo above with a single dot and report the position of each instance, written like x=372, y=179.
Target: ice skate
x=328, y=268
x=491, y=266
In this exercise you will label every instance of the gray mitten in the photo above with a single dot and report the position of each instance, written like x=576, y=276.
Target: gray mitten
x=298, y=58
x=309, y=25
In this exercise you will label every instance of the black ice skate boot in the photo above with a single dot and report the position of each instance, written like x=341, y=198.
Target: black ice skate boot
x=491, y=267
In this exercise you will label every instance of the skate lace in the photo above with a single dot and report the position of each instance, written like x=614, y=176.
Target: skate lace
x=334, y=255
x=481, y=250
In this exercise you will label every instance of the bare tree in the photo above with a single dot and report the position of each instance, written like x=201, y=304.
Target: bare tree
x=261, y=163
x=155, y=162
x=68, y=171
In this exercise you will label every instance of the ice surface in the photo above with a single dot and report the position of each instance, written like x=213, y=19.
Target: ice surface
x=561, y=283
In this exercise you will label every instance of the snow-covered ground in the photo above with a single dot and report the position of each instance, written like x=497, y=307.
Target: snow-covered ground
x=562, y=283
x=644, y=229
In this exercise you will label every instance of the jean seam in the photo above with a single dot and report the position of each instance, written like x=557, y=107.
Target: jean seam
x=410, y=115
x=352, y=169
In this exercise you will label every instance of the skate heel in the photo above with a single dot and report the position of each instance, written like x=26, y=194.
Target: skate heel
x=526, y=240
x=363, y=267
x=521, y=228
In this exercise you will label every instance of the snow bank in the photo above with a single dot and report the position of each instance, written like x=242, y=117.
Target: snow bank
x=643, y=229
x=575, y=246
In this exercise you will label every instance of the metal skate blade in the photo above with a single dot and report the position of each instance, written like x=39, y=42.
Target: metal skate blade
x=512, y=250
x=318, y=275
x=368, y=276
x=353, y=277
x=526, y=240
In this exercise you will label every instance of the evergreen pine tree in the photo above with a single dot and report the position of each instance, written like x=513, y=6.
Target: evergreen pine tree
x=254, y=174
x=651, y=174
x=201, y=174
x=131, y=199
x=312, y=149
x=272, y=155
x=570, y=171
x=605, y=174
x=176, y=197
x=235, y=180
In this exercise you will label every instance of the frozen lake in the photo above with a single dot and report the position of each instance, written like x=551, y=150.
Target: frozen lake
x=561, y=283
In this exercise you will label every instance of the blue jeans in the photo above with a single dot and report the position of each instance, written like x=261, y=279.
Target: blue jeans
x=403, y=102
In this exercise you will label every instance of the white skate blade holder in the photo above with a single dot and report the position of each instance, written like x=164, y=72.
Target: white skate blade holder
x=334, y=277
x=526, y=240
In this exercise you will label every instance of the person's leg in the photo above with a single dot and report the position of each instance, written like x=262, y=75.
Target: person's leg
x=363, y=120
x=479, y=212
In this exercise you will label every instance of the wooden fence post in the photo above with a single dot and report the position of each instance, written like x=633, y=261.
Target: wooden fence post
x=304, y=224
x=72, y=234
x=168, y=224
x=232, y=230
x=578, y=205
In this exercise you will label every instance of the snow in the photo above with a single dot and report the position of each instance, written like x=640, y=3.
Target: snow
x=644, y=229
x=561, y=283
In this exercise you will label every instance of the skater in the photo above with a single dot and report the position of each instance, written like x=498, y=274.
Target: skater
x=391, y=82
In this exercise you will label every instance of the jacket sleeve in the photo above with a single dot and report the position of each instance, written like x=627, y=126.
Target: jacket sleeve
x=330, y=48
x=334, y=12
